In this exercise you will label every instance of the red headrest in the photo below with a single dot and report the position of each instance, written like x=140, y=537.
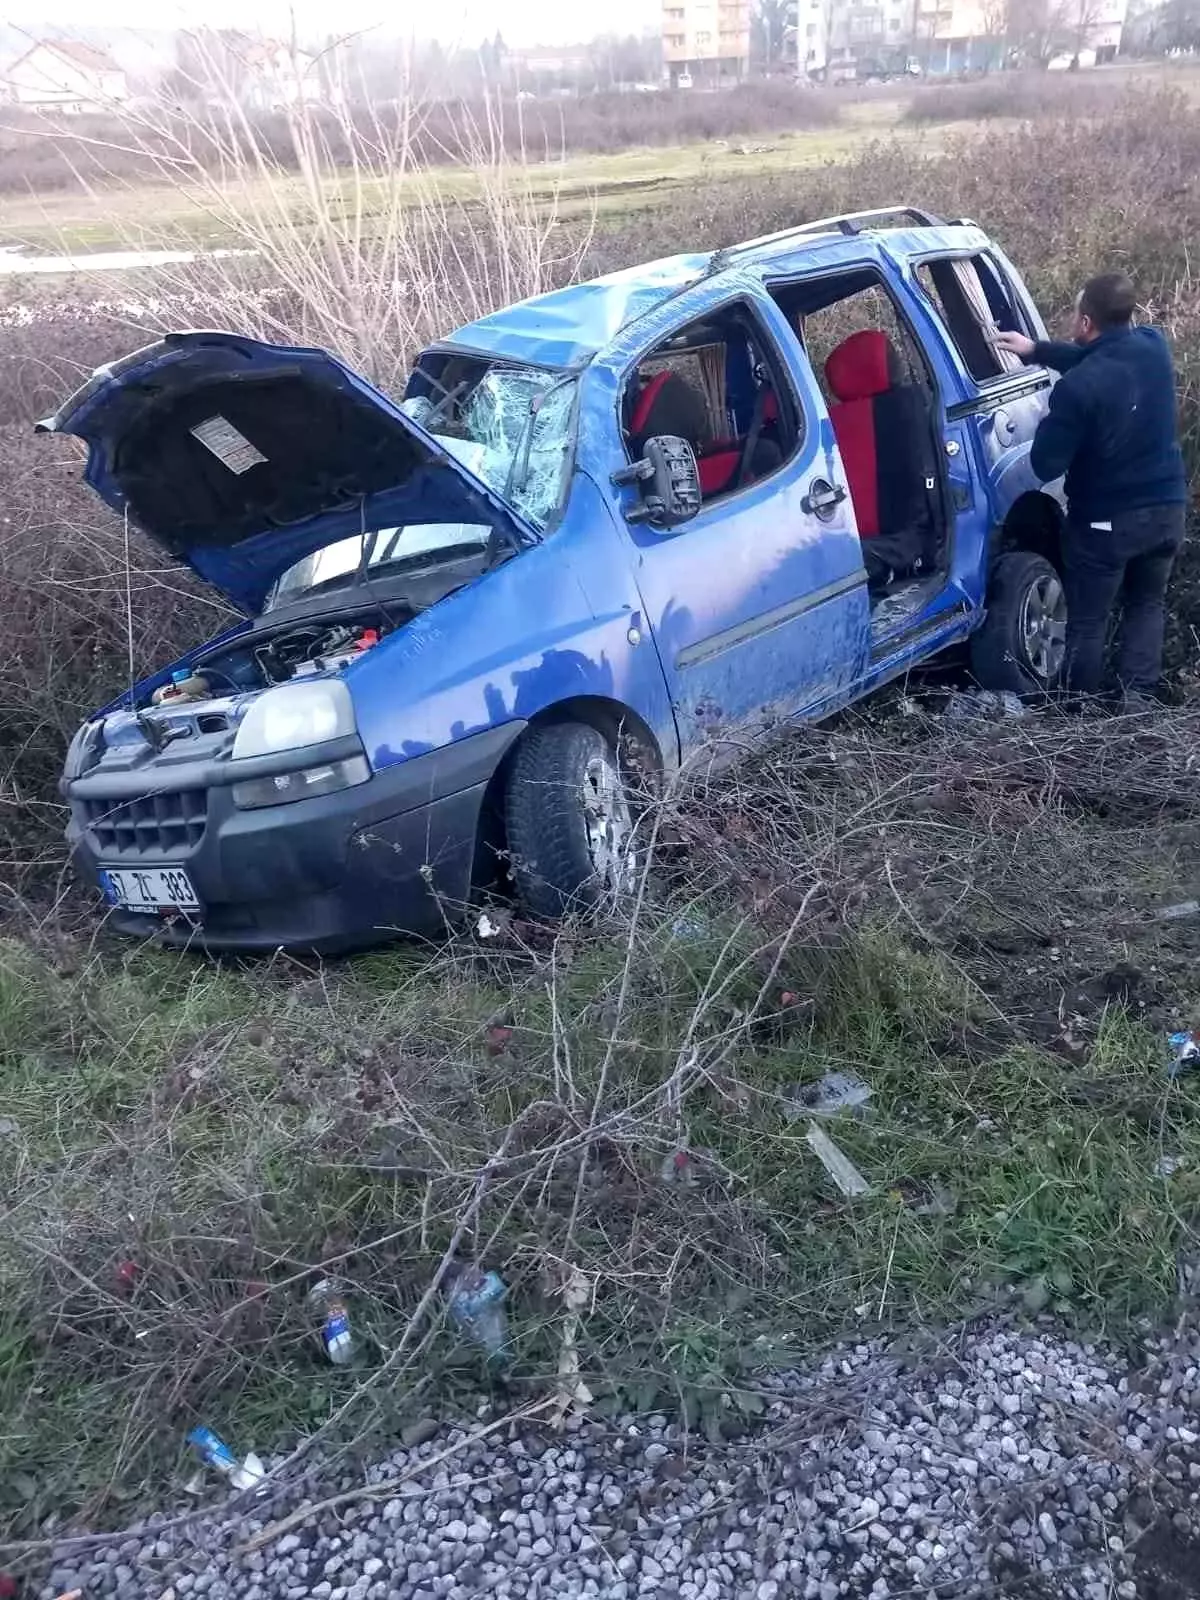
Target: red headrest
x=641, y=409
x=862, y=366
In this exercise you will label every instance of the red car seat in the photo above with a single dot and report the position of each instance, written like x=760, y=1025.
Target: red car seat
x=882, y=429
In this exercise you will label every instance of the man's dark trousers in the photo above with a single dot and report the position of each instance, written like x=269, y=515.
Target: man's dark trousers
x=1131, y=562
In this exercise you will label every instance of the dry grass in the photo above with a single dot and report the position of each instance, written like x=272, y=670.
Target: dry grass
x=45, y=156
x=906, y=899
x=343, y=235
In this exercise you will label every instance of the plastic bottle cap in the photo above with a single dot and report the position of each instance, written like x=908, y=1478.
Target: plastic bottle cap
x=182, y=675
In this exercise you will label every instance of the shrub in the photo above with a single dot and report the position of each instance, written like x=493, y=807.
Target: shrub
x=1024, y=95
x=40, y=155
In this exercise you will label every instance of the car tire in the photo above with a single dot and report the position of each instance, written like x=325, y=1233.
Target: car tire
x=568, y=821
x=1021, y=644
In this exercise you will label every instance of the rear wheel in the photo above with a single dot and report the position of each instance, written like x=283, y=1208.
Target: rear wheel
x=1022, y=644
x=568, y=820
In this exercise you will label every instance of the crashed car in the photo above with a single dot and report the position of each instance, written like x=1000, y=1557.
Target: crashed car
x=604, y=530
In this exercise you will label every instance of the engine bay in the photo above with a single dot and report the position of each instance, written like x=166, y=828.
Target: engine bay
x=317, y=646
x=318, y=635
x=268, y=655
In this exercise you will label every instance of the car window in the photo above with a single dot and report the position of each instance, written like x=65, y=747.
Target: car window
x=522, y=419
x=719, y=383
x=375, y=548
x=825, y=315
x=974, y=303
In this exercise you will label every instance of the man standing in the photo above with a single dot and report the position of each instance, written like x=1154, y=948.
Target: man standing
x=1112, y=428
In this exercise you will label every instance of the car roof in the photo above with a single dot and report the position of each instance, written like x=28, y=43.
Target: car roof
x=570, y=327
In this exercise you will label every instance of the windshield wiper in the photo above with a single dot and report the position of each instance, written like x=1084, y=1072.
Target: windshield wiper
x=518, y=473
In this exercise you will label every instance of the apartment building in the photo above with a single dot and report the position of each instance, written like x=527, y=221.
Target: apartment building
x=836, y=38
x=706, y=43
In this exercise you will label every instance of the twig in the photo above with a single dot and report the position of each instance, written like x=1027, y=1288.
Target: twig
x=378, y=1491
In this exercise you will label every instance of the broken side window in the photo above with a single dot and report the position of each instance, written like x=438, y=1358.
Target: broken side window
x=975, y=304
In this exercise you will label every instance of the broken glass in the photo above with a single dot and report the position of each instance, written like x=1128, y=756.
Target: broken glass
x=522, y=418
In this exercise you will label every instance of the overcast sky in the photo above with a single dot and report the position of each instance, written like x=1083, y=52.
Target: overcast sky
x=520, y=21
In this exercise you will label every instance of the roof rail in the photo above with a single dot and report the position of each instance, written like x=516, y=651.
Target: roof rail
x=849, y=222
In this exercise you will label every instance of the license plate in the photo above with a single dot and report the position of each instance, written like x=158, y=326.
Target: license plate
x=148, y=889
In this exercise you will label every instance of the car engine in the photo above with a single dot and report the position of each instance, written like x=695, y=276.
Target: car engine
x=319, y=647
x=265, y=656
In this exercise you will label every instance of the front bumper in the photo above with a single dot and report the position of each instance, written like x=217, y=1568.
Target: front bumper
x=390, y=856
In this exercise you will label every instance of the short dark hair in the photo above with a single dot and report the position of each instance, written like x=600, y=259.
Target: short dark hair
x=1109, y=299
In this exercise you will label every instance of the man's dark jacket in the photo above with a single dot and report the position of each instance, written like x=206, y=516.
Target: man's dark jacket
x=1112, y=425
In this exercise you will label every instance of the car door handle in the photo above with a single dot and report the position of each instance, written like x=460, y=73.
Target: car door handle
x=822, y=498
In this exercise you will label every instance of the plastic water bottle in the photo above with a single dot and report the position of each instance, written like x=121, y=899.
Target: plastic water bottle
x=1185, y=1052
x=336, y=1334
x=217, y=1454
x=477, y=1308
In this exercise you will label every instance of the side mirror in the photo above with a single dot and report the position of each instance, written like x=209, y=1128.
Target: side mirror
x=669, y=481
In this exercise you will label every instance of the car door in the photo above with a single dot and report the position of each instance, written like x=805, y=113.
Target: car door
x=991, y=421
x=758, y=606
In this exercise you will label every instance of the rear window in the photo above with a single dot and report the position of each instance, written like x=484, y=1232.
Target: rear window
x=974, y=303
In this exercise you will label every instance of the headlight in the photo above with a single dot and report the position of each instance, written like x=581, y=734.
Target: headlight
x=293, y=717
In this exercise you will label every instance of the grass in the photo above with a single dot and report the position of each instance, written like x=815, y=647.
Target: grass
x=615, y=185
x=233, y=1133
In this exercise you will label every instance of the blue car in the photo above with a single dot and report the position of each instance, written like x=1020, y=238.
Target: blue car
x=606, y=531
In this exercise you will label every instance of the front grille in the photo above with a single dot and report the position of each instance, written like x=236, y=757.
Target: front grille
x=149, y=825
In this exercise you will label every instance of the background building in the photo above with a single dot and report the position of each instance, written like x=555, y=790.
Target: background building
x=63, y=75
x=705, y=42
x=855, y=38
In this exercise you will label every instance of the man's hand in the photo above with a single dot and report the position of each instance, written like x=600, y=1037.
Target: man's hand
x=1016, y=344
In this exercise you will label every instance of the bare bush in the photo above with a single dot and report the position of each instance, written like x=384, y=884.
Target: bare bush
x=43, y=155
x=1023, y=95
x=361, y=247
x=611, y=1104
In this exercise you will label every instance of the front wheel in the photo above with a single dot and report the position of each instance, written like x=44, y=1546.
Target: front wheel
x=1022, y=643
x=568, y=820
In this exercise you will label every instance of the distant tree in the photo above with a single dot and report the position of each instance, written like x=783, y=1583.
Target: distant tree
x=773, y=33
x=214, y=61
x=492, y=56
x=615, y=59
x=1083, y=17
x=996, y=17
x=1179, y=27
x=1040, y=29
x=1143, y=33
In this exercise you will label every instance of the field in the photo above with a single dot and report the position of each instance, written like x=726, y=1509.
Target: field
x=968, y=917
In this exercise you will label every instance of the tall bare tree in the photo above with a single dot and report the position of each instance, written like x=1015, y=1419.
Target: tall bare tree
x=996, y=17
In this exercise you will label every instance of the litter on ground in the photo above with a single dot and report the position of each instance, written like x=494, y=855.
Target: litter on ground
x=476, y=1305
x=216, y=1453
x=1185, y=1053
x=835, y=1092
x=985, y=703
x=836, y=1163
x=1178, y=913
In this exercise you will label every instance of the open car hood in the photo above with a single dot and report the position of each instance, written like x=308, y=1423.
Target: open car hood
x=241, y=458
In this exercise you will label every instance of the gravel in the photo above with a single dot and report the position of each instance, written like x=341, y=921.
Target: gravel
x=993, y=1463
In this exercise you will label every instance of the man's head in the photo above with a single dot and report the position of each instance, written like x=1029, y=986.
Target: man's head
x=1106, y=303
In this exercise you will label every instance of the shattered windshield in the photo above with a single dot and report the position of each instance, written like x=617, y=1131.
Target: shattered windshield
x=512, y=428
x=521, y=419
